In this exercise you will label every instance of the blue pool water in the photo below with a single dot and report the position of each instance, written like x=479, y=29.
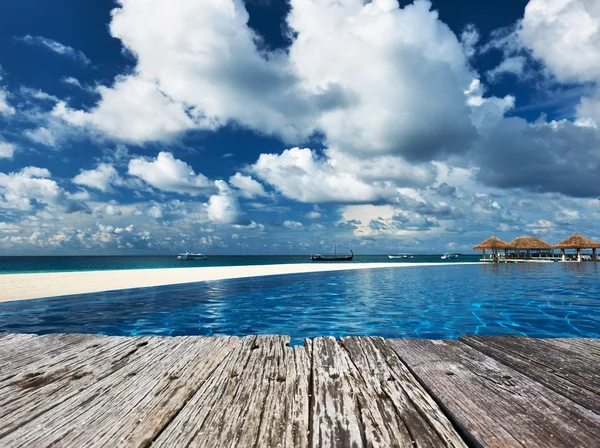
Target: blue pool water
x=538, y=300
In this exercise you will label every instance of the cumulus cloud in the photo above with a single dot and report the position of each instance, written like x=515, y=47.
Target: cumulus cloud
x=6, y=149
x=169, y=174
x=292, y=224
x=19, y=190
x=301, y=175
x=412, y=103
x=133, y=110
x=102, y=178
x=199, y=65
x=223, y=208
x=55, y=47
x=248, y=187
x=565, y=35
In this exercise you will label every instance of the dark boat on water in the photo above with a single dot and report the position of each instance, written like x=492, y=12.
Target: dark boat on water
x=332, y=257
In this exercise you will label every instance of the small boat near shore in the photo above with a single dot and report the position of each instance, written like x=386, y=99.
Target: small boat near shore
x=447, y=256
x=191, y=257
x=332, y=256
x=394, y=257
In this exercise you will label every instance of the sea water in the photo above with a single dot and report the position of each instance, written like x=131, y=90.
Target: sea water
x=14, y=265
x=538, y=300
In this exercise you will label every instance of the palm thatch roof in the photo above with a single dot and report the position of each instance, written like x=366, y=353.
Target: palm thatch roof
x=528, y=242
x=577, y=241
x=492, y=243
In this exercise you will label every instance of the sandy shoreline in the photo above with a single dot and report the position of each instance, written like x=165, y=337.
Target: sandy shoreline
x=52, y=284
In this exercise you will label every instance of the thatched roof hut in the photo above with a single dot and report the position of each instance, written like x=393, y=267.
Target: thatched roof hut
x=577, y=241
x=528, y=243
x=492, y=243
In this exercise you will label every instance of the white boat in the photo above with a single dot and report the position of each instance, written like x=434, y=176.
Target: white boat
x=191, y=257
x=449, y=256
x=393, y=257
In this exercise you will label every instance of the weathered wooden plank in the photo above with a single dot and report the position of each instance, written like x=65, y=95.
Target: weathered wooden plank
x=495, y=404
x=572, y=374
x=44, y=384
x=21, y=356
x=336, y=419
x=9, y=338
x=257, y=397
x=285, y=421
x=587, y=346
x=394, y=407
x=134, y=402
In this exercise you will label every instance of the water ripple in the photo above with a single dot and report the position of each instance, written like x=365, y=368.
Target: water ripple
x=550, y=300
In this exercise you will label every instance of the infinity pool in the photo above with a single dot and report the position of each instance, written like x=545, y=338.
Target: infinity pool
x=538, y=300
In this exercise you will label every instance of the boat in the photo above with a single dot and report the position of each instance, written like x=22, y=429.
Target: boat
x=449, y=256
x=393, y=257
x=191, y=257
x=332, y=257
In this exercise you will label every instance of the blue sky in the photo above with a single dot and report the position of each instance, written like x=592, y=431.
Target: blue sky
x=275, y=127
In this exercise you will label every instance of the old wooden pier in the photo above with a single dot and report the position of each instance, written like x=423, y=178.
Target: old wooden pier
x=76, y=390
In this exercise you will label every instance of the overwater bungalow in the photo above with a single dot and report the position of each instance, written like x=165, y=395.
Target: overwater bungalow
x=527, y=248
x=578, y=242
x=493, y=244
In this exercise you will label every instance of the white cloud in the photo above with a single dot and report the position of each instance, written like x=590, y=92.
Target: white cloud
x=404, y=72
x=102, y=178
x=41, y=135
x=19, y=189
x=223, y=208
x=5, y=107
x=133, y=110
x=292, y=224
x=169, y=174
x=249, y=188
x=6, y=149
x=313, y=215
x=565, y=35
x=299, y=174
x=513, y=64
x=55, y=47
x=385, y=220
x=469, y=39
x=34, y=171
x=198, y=66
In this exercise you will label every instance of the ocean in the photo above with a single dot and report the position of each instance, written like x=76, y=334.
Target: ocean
x=16, y=265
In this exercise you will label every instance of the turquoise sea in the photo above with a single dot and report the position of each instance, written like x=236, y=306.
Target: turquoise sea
x=537, y=300
x=14, y=265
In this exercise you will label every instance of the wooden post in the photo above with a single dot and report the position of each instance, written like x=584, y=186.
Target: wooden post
x=594, y=254
x=564, y=256
x=483, y=254
x=578, y=254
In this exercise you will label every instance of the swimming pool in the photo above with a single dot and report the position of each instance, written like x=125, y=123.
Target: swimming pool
x=538, y=300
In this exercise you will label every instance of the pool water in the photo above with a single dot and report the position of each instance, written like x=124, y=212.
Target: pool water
x=538, y=300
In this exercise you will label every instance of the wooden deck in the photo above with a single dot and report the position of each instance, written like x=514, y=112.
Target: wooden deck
x=91, y=390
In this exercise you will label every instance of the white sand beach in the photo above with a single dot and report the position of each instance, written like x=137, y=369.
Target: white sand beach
x=52, y=284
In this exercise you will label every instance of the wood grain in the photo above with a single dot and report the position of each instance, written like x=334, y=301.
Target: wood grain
x=573, y=374
x=495, y=404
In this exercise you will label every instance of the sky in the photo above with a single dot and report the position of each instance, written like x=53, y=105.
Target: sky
x=278, y=127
